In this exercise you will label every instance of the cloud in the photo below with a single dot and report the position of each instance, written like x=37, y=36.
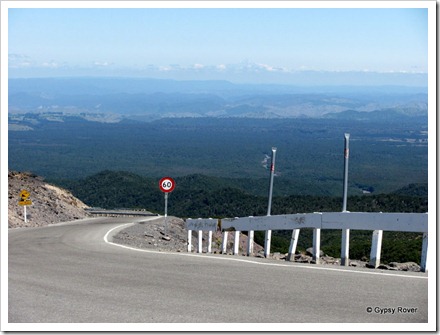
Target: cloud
x=52, y=64
x=198, y=66
x=244, y=72
x=266, y=67
x=102, y=64
x=164, y=68
x=251, y=67
x=271, y=68
x=244, y=67
x=19, y=61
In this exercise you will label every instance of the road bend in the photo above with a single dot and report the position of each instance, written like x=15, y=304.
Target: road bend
x=68, y=273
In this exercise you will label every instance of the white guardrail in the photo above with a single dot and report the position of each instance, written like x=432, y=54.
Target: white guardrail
x=378, y=222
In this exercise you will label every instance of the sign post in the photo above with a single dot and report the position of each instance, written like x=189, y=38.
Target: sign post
x=25, y=201
x=268, y=234
x=345, y=240
x=166, y=185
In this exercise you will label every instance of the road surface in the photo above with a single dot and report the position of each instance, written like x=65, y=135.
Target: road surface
x=68, y=273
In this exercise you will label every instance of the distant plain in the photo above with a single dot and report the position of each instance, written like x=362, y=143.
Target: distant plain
x=73, y=128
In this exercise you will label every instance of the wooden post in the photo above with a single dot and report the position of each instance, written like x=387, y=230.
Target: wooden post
x=345, y=245
x=236, y=242
x=316, y=244
x=250, y=249
x=199, y=249
x=267, y=240
x=423, y=261
x=209, y=241
x=376, y=246
x=189, y=246
x=293, y=244
x=224, y=242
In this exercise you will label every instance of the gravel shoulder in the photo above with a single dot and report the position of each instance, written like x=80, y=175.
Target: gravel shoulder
x=171, y=235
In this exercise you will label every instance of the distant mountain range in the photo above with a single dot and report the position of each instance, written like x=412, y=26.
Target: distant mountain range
x=150, y=99
x=405, y=112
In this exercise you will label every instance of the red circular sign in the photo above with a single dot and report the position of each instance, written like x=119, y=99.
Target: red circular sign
x=167, y=184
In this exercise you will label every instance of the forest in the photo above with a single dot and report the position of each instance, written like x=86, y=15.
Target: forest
x=384, y=156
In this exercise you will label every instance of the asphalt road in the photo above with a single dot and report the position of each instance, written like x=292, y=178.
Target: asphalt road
x=68, y=273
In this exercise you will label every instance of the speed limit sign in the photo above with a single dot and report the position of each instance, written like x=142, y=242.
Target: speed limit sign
x=167, y=184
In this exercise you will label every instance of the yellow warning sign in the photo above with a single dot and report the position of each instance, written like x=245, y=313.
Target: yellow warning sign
x=24, y=195
x=24, y=198
x=25, y=202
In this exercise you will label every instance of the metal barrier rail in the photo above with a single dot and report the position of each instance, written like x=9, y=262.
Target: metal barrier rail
x=116, y=212
x=378, y=222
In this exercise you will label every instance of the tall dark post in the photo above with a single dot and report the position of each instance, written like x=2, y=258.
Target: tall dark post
x=269, y=205
x=345, y=241
x=272, y=171
x=346, y=155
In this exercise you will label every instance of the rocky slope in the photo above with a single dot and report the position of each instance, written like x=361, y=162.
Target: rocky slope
x=50, y=204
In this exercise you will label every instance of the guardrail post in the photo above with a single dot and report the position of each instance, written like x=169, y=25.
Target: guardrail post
x=376, y=222
x=209, y=241
x=199, y=248
x=345, y=246
x=423, y=261
x=236, y=242
x=189, y=246
x=316, y=244
x=268, y=237
x=293, y=244
x=250, y=249
x=224, y=242
x=376, y=246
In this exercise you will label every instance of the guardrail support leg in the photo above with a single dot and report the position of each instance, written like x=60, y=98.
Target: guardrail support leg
x=209, y=242
x=345, y=245
x=423, y=261
x=189, y=246
x=293, y=244
x=267, y=239
x=316, y=244
x=199, y=248
x=236, y=242
x=250, y=249
x=224, y=242
x=376, y=246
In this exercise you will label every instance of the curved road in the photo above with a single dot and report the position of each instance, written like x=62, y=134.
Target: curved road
x=68, y=273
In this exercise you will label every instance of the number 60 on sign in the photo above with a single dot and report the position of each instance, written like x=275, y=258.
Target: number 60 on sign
x=167, y=184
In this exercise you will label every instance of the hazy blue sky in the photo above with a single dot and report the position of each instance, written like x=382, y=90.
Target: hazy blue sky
x=257, y=44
